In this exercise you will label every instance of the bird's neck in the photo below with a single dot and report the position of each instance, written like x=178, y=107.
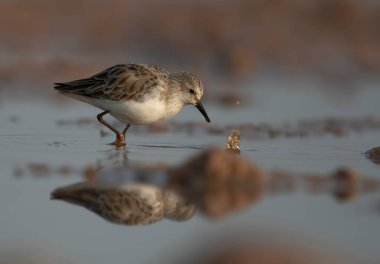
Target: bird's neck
x=175, y=90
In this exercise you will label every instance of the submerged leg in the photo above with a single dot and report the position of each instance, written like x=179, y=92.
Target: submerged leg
x=120, y=139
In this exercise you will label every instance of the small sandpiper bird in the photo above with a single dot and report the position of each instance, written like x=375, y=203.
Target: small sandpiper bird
x=128, y=203
x=136, y=94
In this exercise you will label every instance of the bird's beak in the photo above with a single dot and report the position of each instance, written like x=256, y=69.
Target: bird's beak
x=203, y=111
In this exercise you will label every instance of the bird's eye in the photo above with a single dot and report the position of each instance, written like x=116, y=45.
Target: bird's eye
x=192, y=91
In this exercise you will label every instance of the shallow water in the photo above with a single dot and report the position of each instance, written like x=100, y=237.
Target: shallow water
x=31, y=221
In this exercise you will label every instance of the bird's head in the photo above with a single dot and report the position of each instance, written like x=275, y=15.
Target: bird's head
x=191, y=90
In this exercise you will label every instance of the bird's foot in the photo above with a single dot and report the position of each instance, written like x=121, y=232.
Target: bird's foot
x=119, y=142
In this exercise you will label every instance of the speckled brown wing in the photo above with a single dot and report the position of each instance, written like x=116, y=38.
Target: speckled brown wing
x=118, y=83
x=115, y=205
x=127, y=207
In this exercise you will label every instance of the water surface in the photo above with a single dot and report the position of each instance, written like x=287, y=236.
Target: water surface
x=30, y=134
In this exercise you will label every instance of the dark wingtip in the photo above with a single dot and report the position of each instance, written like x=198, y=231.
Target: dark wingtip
x=53, y=196
x=59, y=86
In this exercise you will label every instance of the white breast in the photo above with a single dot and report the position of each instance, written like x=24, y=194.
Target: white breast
x=146, y=112
x=135, y=113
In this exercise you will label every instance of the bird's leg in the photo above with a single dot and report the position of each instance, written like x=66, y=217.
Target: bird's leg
x=126, y=129
x=120, y=139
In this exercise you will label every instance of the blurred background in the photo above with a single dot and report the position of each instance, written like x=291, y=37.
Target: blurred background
x=227, y=44
x=300, y=79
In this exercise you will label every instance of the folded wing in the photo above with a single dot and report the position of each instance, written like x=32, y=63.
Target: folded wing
x=119, y=83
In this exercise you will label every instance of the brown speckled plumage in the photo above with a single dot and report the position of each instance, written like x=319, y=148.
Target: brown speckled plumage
x=134, y=204
x=121, y=82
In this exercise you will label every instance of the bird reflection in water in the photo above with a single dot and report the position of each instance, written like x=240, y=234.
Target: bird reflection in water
x=373, y=155
x=216, y=182
x=128, y=203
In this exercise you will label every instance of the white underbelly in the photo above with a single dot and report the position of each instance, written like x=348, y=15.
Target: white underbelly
x=134, y=113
